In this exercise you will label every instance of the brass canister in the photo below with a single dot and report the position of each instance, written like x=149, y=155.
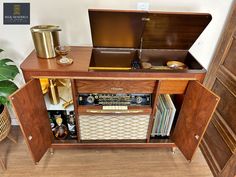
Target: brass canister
x=45, y=38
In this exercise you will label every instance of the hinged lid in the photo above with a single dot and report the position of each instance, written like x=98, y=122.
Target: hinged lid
x=156, y=30
x=116, y=29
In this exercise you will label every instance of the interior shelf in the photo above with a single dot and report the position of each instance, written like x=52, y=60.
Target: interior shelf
x=51, y=107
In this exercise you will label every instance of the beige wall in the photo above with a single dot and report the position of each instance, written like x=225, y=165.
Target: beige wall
x=72, y=17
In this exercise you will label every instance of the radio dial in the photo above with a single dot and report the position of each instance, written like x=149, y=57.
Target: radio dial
x=139, y=100
x=90, y=99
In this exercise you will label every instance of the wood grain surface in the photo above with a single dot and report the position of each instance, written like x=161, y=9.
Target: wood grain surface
x=105, y=86
x=29, y=107
x=218, y=147
x=173, y=87
x=33, y=66
x=173, y=31
x=227, y=105
x=221, y=79
x=80, y=55
x=195, y=114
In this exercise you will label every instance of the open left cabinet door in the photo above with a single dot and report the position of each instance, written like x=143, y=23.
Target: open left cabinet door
x=30, y=109
x=197, y=109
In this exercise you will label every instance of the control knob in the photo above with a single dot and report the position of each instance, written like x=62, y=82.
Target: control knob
x=139, y=99
x=90, y=99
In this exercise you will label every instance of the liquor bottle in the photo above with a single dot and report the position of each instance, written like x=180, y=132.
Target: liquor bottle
x=61, y=131
x=52, y=121
x=71, y=125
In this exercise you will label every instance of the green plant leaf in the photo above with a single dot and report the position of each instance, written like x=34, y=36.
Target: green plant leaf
x=4, y=61
x=6, y=88
x=1, y=50
x=4, y=100
x=7, y=71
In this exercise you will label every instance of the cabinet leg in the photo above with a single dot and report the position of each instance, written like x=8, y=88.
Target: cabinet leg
x=51, y=150
x=173, y=149
x=3, y=164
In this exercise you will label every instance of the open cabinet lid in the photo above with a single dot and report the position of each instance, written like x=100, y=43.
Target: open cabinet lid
x=173, y=30
x=30, y=109
x=116, y=29
x=156, y=30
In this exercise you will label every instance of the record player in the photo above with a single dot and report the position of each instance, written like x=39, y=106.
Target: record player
x=144, y=41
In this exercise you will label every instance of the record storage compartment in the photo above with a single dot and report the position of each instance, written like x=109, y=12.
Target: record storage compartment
x=166, y=115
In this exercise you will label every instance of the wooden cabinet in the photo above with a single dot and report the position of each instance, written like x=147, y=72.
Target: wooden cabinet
x=115, y=65
x=219, y=142
x=191, y=123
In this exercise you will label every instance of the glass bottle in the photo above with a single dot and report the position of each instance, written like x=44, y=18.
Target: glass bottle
x=71, y=125
x=61, y=131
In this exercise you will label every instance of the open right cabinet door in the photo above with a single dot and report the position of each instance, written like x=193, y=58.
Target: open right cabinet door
x=197, y=109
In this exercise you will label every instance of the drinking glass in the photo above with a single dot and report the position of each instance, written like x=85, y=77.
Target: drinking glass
x=63, y=52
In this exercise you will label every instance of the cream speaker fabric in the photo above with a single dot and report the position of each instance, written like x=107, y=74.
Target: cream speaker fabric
x=113, y=127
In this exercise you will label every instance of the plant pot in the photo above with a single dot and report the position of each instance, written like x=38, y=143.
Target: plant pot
x=5, y=123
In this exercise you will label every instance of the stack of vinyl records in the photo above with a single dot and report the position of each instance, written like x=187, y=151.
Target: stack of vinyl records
x=164, y=116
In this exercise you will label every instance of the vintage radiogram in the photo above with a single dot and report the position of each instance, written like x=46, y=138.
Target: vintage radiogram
x=128, y=60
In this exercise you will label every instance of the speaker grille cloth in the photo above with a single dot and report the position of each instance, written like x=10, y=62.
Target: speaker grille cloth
x=113, y=127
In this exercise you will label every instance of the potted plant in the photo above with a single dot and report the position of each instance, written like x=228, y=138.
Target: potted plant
x=8, y=72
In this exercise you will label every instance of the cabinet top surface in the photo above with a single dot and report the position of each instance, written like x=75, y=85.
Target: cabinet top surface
x=38, y=67
x=80, y=55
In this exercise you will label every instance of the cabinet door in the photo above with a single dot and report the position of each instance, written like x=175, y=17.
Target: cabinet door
x=29, y=107
x=196, y=111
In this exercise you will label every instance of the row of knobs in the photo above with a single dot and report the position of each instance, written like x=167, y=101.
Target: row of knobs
x=90, y=99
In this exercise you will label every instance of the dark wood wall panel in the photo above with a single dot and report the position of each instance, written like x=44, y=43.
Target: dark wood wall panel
x=230, y=60
x=218, y=147
x=230, y=169
x=219, y=142
x=227, y=105
x=225, y=132
x=225, y=76
x=215, y=168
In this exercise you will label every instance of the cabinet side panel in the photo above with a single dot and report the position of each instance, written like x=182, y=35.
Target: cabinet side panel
x=195, y=114
x=30, y=109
